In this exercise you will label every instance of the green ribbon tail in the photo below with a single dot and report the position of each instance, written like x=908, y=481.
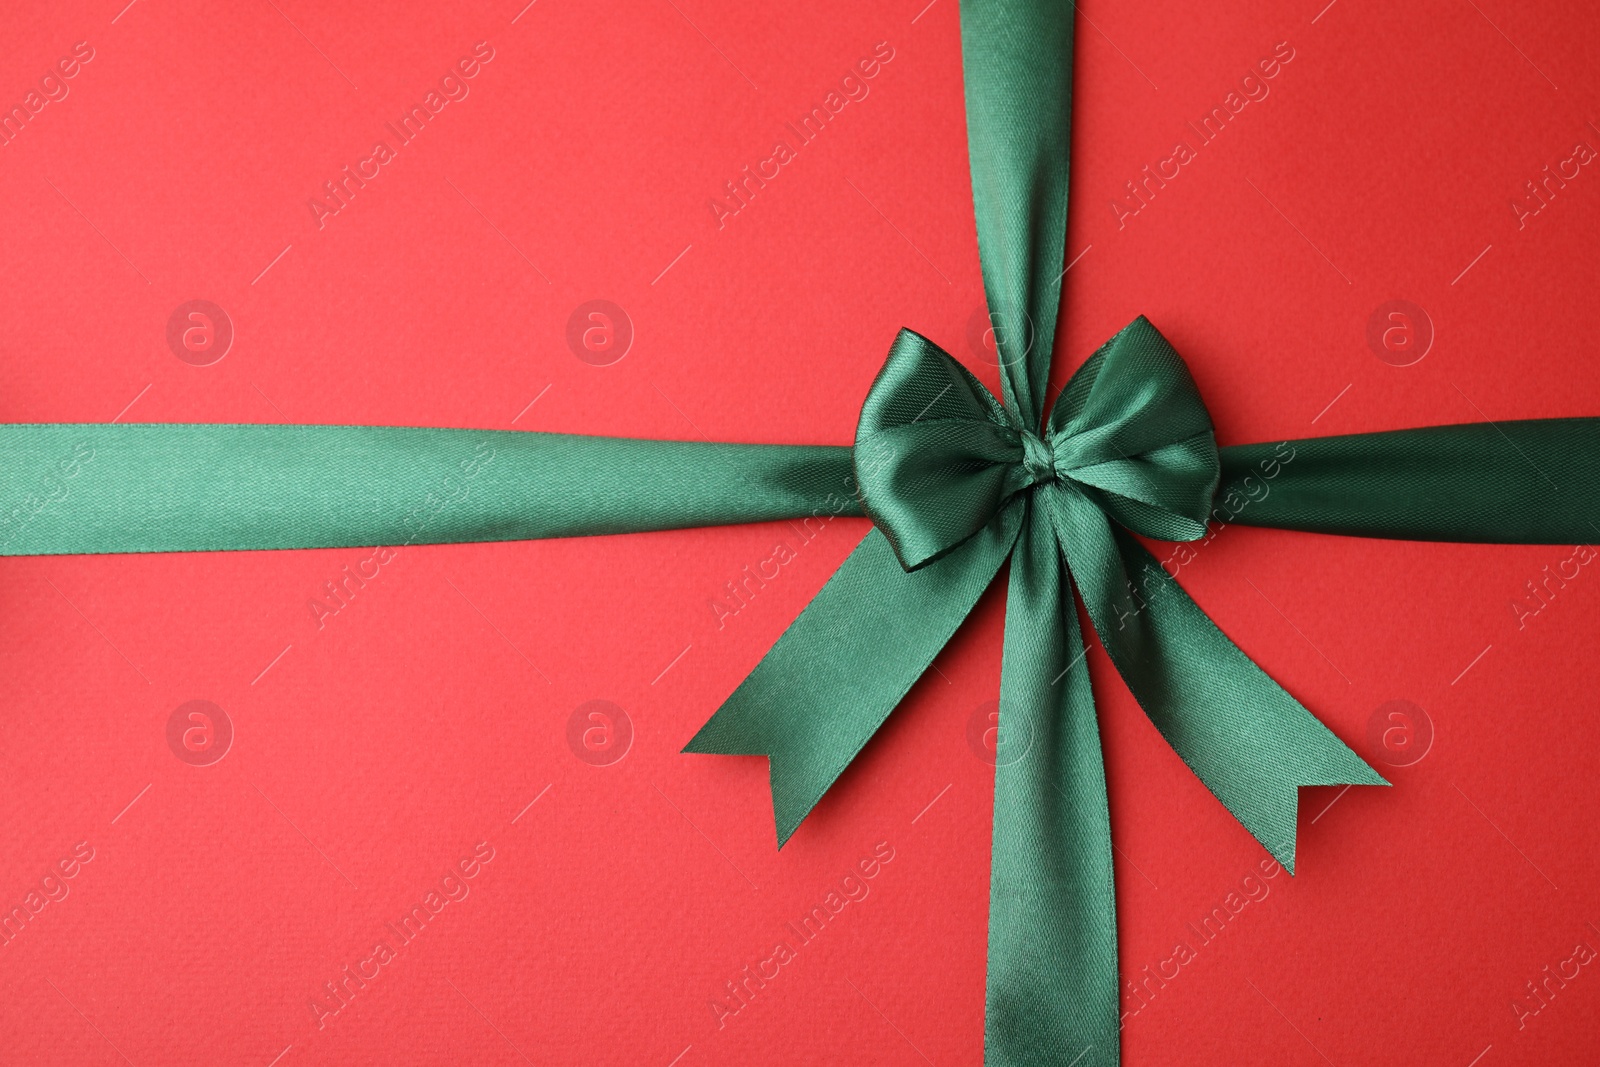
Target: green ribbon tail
x=831, y=680
x=1523, y=482
x=80, y=488
x=1250, y=742
x=1052, y=980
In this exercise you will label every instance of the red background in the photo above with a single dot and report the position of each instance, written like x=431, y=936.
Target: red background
x=373, y=754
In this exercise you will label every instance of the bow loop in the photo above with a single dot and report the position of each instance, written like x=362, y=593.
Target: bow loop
x=936, y=454
x=1131, y=430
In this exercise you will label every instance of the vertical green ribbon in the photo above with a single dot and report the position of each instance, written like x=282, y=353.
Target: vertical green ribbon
x=1052, y=904
x=957, y=482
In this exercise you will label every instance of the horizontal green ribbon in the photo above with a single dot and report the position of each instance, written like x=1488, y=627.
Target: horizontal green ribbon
x=96, y=488
x=159, y=487
x=76, y=487
x=839, y=670
x=1530, y=481
x=957, y=484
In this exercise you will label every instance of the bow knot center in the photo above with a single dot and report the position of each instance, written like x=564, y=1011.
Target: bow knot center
x=937, y=456
x=1038, y=458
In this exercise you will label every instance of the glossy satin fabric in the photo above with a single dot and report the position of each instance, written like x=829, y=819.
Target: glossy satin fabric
x=71, y=487
x=957, y=482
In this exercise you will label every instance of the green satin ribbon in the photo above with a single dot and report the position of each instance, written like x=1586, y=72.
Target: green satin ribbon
x=957, y=483
x=74, y=487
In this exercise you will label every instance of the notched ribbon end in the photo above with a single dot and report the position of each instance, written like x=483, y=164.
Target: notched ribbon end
x=1355, y=772
x=787, y=813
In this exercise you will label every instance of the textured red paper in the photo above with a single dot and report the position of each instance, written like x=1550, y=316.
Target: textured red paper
x=424, y=730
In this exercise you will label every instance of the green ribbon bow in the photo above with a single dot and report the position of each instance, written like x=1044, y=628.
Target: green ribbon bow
x=956, y=483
